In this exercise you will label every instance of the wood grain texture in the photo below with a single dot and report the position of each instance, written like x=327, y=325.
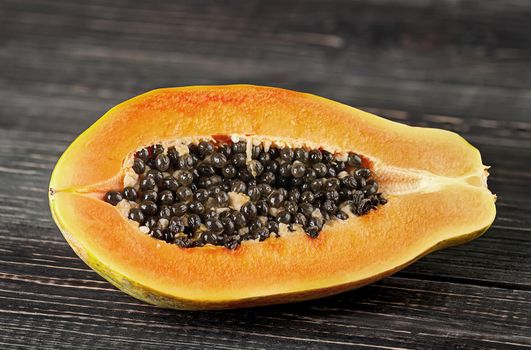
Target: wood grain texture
x=461, y=65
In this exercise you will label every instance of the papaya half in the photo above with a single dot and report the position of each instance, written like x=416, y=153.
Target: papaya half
x=432, y=182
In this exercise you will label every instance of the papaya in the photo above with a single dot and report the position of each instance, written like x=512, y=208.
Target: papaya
x=213, y=197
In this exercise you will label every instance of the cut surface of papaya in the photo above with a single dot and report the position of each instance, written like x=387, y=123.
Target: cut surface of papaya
x=212, y=197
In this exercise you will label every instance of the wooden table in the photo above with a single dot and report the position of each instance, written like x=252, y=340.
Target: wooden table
x=462, y=65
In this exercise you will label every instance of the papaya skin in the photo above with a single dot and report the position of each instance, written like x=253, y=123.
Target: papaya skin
x=434, y=181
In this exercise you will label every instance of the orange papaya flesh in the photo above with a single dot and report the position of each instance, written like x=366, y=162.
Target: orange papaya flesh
x=434, y=180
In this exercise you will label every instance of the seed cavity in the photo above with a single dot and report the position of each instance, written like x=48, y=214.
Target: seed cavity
x=232, y=189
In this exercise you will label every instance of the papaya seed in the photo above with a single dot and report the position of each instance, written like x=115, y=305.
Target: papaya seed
x=219, y=193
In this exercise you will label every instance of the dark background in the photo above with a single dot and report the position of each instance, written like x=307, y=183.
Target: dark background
x=462, y=65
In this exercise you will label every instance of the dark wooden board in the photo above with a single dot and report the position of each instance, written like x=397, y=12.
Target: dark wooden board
x=460, y=65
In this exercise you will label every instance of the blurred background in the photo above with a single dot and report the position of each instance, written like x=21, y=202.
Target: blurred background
x=409, y=59
x=461, y=65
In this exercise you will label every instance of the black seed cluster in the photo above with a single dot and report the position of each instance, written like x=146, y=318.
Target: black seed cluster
x=184, y=198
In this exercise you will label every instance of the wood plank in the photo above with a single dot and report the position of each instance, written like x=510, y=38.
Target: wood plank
x=30, y=242
x=419, y=62
x=396, y=312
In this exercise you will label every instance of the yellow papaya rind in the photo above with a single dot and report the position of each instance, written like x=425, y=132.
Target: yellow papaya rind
x=351, y=253
x=164, y=114
x=155, y=297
